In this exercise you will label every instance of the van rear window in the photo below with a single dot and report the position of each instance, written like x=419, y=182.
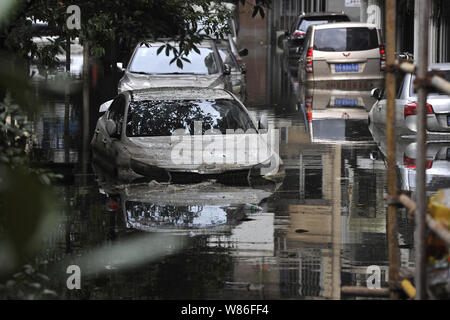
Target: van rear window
x=345, y=39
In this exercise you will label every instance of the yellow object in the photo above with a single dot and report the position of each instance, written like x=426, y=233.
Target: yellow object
x=439, y=206
x=408, y=288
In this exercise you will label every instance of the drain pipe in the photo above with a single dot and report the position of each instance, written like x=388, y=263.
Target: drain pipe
x=391, y=146
x=420, y=229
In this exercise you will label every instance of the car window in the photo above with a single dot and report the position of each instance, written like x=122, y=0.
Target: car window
x=305, y=23
x=345, y=39
x=399, y=82
x=434, y=92
x=146, y=60
x=162, y=118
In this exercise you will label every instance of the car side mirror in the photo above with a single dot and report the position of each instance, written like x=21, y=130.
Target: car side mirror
x=111, y=127
x=120, y=66
x=226, y=69
x=105, y=106
x=376, y=93
x=243, y=52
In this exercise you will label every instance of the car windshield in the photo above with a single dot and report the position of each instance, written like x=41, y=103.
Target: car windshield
x=305, y=23
x=146, y=60
x=161, y=118
x=434, y=92
x=345, y=39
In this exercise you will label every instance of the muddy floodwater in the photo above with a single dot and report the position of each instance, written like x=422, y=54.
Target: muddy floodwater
x=319, y=228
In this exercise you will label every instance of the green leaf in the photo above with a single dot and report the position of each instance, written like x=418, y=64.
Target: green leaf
x=160, y=49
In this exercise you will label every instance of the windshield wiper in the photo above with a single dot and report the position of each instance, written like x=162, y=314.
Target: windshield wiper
x=140, y=72
x=178, y=73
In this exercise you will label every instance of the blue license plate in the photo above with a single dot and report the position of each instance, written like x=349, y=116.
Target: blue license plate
x=448, y=121
x=345, y=102
x=347, y=67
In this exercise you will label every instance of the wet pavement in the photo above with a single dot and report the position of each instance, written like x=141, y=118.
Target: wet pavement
x=304, y=237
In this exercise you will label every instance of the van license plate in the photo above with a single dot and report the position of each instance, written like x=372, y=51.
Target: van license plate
x=347, y=67
x=344, y=102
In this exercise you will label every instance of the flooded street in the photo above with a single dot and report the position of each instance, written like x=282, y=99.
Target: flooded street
x=304, y=237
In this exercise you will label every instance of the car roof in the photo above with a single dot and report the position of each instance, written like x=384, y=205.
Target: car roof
x=180, y=93
x=320, y=14
x=343, y=25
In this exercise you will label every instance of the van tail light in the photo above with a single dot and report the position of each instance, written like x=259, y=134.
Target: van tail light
x=298, y=34
x=411, y=109
x=382, y=58
x=411, y=163
x=309, y=63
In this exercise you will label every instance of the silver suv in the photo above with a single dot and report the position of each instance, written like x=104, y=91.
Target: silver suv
x=345, y=51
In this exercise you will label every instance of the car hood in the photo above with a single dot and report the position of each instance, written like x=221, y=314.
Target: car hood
x=201, y=154
x=140, y=81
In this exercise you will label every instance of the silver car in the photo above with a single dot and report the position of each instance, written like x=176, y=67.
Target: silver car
x=438, y=107
x=344, y=51
x=165, y=131
x=148, y=69
x=437, y=160
x=237, y=74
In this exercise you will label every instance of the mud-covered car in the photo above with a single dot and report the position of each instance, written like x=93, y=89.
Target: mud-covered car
x=151, y=68
x=164, y=131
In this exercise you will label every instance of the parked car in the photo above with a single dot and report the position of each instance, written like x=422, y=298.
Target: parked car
x=295, y=36
x=438, y=107
x=437, y=163
x=148, y=69
x=345, y=51
x=237, y=74
x=164, y=131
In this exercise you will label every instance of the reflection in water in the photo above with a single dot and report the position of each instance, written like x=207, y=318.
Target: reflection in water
x=153, y=215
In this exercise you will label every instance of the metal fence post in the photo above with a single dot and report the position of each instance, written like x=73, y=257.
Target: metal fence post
x=391, y=145
x=420, y=231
